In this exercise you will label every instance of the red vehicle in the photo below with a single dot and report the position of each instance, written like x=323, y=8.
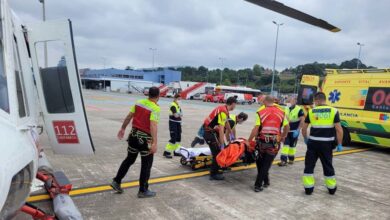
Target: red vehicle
x=246, y=94
x=208, y=98
x=219, y=98
x=214, y=97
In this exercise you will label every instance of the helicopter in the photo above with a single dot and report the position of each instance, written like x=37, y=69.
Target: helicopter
x=43, y=93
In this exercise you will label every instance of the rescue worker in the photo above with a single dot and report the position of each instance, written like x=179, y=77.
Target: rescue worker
x=325, y=125
x=199, y=137
x=270, y=118
x=296, y=118
x=175, y=117
x=214, y=133
x=145, y=115
x=233, y=120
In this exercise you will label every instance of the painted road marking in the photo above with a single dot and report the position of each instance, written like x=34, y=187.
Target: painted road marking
x=104, y=188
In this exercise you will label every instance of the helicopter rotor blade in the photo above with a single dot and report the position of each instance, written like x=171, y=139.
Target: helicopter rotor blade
x=293, y=13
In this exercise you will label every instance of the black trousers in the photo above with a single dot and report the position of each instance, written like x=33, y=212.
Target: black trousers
x=322, y=150
x=211, y=139
x=263, y=164
x=137, y=146
x=175, y=132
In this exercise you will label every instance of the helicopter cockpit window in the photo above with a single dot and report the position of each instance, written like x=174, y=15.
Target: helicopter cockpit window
x=54, y=77
x=4, y=99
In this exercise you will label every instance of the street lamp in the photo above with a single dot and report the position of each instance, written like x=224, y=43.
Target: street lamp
x=153, y=51
x=104, y=62
x=360, y=50
x=220, y=77
x=44, y=19
x=276, y=49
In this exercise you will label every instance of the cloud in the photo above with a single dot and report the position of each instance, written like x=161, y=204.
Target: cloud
x=197, y=32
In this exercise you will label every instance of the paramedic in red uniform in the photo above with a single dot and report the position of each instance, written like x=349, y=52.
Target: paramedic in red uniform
x=142, y=140
x=214, y=133
x=270, y=118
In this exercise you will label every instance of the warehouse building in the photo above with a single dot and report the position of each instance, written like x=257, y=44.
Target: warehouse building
x=131, y=80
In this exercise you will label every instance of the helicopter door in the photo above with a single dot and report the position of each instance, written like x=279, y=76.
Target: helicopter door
x=58, y=84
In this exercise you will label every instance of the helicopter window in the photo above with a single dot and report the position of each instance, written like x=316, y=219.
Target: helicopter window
x=19, y=86
x=4, y=99
x=54, y=77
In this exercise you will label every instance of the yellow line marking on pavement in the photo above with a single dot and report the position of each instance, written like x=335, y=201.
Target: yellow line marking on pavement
x=98, y=189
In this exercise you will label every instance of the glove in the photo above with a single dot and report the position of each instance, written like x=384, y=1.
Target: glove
x=339, y=148
x=222, y=146
x=295, y=134
x=231, y=137
x=306, y=140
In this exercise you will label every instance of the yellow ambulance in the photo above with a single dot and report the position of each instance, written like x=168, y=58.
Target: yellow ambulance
x=362, y=98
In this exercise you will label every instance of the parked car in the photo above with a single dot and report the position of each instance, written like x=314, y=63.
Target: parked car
x=172, y=92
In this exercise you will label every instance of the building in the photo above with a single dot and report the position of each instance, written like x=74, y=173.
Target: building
x=130, y=80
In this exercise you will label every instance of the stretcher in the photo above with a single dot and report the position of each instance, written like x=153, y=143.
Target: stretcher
x=196, y=158
x=235, y=152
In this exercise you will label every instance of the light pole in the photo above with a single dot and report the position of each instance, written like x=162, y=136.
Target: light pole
x=276, y=49
x=104, y=62
x=153, y=51
x=220, y=77
x=104, y=74
x=44, y=19
x=360, y=50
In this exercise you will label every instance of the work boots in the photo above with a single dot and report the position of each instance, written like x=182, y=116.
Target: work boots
x=116, y=186
x=332, y=191
x=309, y=191
x=217, y=177
x=282, y=163
x=196, y=141
x=146, y=194
x=258, y=188
x=167, y=154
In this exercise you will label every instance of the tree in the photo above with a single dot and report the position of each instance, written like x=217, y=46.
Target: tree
x=256, y=76
x=352, y=64
x=257, y=70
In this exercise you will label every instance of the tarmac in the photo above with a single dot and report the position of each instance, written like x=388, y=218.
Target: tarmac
x=362, y=172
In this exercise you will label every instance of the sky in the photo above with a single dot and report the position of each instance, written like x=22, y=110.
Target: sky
x=200, y=32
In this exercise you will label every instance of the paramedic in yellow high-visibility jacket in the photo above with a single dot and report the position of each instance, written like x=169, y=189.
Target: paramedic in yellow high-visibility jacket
x=175, y=118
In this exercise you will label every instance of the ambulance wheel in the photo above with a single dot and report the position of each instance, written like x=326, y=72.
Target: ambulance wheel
x=346, y=137
x=183, y=161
